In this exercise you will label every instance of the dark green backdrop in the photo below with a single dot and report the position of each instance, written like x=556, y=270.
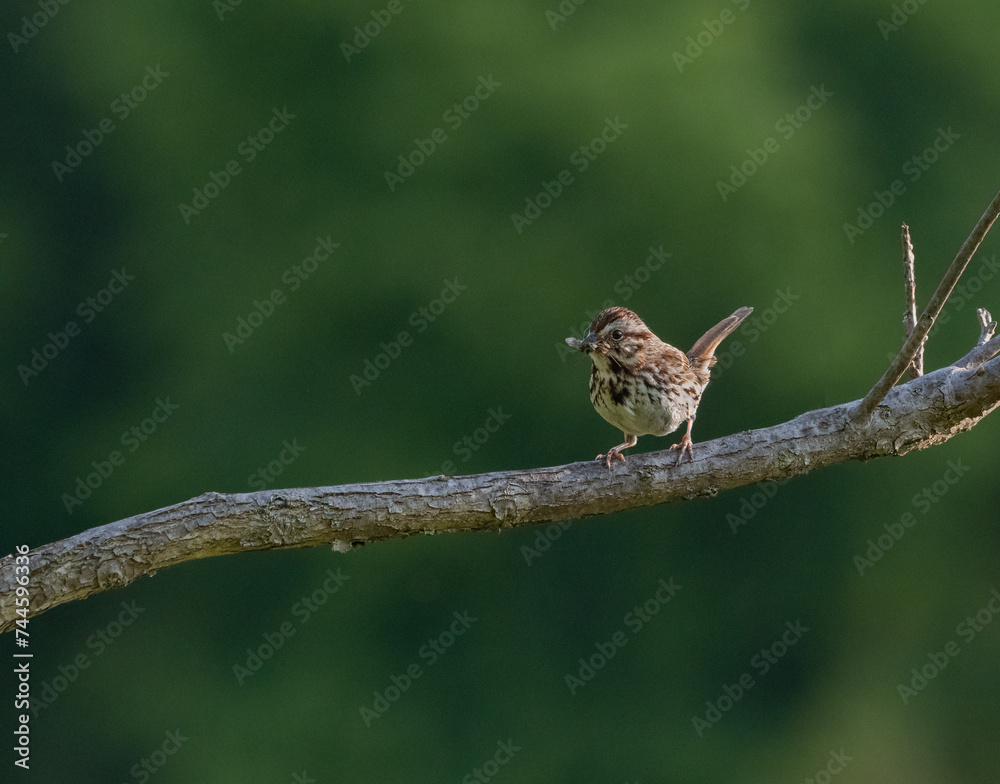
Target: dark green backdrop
x=484, y=177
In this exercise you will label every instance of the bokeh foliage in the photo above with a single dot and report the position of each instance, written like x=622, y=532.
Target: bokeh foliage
x=778, y=238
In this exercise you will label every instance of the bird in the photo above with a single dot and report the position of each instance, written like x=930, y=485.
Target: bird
x=644, y=386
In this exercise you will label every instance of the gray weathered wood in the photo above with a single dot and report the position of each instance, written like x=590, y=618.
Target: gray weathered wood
x=922, y=413
x=919, y=334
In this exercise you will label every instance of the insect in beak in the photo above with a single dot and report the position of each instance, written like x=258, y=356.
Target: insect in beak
x=583, y=345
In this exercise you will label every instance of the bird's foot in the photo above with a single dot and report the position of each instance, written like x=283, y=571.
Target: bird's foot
x=613, y=454
x=684, y=447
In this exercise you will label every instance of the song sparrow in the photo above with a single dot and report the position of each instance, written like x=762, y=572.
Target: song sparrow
x=642, y=385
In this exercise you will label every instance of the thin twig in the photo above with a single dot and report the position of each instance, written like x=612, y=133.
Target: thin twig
x=910, y=315
x=987, y=326
x=926, y=412
x=917, y=337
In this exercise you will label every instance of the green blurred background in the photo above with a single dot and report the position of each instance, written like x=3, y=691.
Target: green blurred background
x=683, y=92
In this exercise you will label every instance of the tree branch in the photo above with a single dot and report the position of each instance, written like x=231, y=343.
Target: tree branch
x=922, y=413
x=910, y=314
x=987, y=326
x=916, y=338
x=927, y=411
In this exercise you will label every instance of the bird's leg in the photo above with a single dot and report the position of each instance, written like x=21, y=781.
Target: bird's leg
x=615, y=453
x=685, y=444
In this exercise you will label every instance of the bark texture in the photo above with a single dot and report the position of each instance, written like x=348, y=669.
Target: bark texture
x=922, y=413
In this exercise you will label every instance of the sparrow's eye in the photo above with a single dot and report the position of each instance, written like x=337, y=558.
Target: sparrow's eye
x=617, y=335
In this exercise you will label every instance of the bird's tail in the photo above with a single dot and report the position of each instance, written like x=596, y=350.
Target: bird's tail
x=702, y=353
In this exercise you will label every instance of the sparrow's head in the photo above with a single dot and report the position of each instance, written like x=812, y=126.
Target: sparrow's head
x=617, y=334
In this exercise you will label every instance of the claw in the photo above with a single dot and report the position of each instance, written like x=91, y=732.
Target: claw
x=616, y=451
x=611, y=455
x=685, y=445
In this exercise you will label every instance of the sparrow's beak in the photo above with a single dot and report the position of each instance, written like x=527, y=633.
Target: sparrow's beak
x=583, y=345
